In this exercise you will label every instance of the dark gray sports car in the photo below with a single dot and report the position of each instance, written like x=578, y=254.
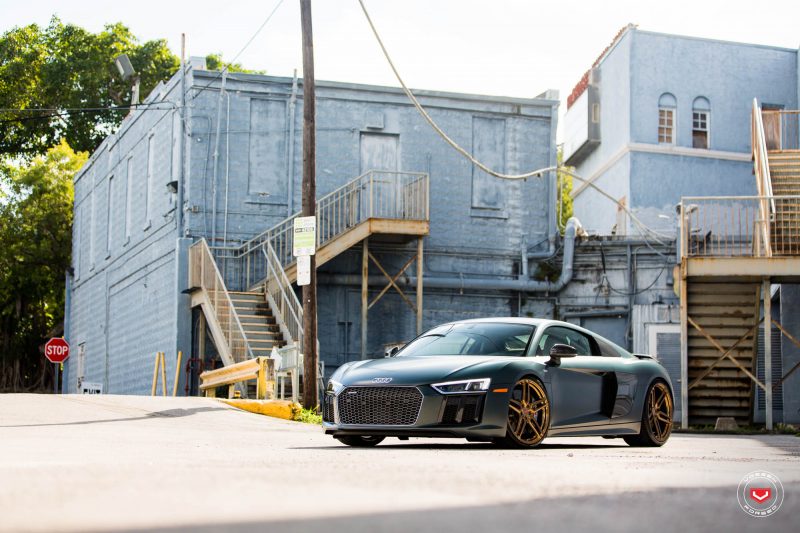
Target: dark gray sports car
x=513, y=381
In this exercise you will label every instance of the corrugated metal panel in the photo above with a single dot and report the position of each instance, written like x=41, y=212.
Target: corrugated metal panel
x=668, y=348
x=644, y=315
x=777, y=373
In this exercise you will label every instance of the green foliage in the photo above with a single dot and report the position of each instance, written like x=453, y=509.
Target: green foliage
x=309, y=416
x=64, y=66
x=215, y=62
x=564, y=193
x=35, y=246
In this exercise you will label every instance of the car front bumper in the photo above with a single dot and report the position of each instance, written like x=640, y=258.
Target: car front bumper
x=438, y=415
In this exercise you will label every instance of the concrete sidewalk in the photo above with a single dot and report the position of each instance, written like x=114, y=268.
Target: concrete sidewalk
x=94, y=463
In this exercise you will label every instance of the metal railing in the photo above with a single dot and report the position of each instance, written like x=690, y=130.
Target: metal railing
x=761, y=171
x=781, y=129
x=736, y=226
x=282, y=298
x=374, y=194
x=204, y=274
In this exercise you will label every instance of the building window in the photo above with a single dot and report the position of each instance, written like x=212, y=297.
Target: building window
x=701, y=113
x=128, y=199
x=110, y=216
x=666, y=118
x=148, y=192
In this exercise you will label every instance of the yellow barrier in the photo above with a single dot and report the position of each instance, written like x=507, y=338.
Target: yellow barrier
x=262, y=369
x=275, y=408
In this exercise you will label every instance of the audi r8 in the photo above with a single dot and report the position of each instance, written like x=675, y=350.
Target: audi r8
x=512, y=381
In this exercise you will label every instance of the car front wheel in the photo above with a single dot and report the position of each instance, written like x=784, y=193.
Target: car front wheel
x=528, y=414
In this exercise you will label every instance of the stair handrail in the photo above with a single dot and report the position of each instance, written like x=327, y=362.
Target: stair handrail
x=282, y=298
x=763, y=178
x=219, y=299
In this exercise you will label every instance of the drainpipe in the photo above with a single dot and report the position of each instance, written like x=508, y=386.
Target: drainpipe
x=227, y=166
x=67, y=325
x=460, y=283
x=290, y=166
x=213, y=241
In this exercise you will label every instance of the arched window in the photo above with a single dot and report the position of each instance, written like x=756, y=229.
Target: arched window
x=666, y=118
x=701, y=121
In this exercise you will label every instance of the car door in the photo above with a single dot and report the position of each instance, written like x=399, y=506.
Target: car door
x=581, y=385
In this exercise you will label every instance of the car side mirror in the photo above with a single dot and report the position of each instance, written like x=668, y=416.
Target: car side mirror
x=394, y=351
x=561, y=350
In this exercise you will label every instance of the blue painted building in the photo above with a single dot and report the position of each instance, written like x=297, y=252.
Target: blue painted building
x=236, y=154
x=658, y=117
x=662, y=116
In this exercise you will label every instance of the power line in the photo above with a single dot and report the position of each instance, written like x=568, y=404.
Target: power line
x=433, y=123
x=56, y=113
x=248, y=43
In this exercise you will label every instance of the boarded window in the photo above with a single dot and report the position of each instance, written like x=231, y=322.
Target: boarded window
x=488, y=146
x=379, y=151
x=267, y=172
x=701, y=111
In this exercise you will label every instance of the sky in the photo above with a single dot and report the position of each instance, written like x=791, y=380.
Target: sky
x=499, y=47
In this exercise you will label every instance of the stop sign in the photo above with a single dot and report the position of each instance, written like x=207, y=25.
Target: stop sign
x=56, y=350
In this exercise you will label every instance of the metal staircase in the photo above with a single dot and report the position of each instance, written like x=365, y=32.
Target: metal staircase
x=732, y=249
x=246, y=292
x=781, y=131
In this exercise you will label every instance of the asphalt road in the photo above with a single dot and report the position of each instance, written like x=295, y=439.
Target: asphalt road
x=119, y=463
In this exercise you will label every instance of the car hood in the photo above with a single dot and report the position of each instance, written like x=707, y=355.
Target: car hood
x=411, y=370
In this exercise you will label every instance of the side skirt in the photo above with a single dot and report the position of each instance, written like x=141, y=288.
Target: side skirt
x=631, y=428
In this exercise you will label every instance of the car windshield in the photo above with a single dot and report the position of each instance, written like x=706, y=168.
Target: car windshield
x=472, y=338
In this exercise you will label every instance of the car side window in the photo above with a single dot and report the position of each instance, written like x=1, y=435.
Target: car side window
x=606, y=349
x=560, y=335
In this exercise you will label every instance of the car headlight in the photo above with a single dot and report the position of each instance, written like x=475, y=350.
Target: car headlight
x=467, y=385
x=334, y=387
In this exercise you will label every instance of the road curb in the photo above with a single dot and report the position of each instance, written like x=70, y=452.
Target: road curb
x=275, y=408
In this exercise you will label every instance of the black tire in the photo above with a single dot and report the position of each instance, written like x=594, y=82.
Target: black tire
x=656, y=417
x=360, y=441
x=528, y=415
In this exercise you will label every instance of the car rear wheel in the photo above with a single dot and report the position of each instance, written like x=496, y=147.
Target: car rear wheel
x=360, y=441
x=656, y=417
x=528, y=414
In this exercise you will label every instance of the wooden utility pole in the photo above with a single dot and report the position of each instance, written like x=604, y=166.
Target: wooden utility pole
x=309, y=210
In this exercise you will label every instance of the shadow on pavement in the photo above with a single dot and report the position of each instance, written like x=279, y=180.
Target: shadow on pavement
x=665, y=510
x=167, y=413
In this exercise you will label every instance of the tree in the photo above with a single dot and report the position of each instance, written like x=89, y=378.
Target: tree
x=35, y=246
x=564, y=193
x=63, y=67
x=215, y=62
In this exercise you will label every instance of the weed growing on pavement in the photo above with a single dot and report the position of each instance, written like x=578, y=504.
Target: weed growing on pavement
x=309, y=416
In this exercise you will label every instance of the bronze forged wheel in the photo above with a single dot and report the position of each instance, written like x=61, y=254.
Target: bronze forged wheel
x=528, y=414
x=656, y=417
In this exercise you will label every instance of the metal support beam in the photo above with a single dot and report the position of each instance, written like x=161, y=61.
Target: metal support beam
x=364, y=295
x=419, y=286
x=767, y=292
x=684, y=349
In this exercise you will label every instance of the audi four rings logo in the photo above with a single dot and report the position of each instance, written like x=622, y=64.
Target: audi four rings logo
x=381, y=380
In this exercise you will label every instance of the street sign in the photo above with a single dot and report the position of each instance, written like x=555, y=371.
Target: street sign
x=305, y=236
x=56, y=350
x=303, y=270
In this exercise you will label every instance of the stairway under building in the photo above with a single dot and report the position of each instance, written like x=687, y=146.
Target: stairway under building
x=246, y=292
x=733, y=249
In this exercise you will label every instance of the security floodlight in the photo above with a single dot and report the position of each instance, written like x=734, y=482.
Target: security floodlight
x=127, y=72
x=124, y=66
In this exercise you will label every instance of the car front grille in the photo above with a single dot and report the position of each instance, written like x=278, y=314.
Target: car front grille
x=384, y=406
x=464, y=409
